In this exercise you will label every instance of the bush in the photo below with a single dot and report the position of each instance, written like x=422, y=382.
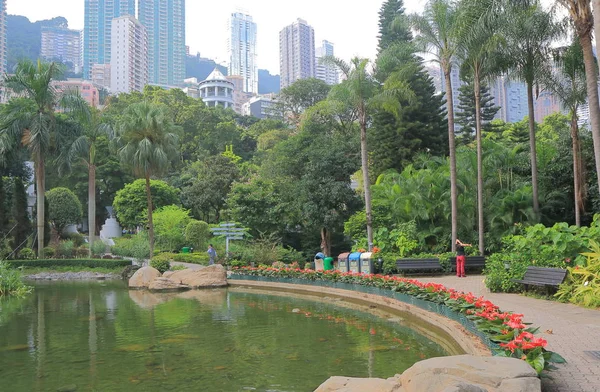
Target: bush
x=49, y=263
x=10, y=281
x=130, y=203
x=26, y=254
x=77, y=238
x=289, y=255
x=65, y=249
x=64, y=208
x=582, y=286
x=98, y=248
x=49, y=252
x=170, y=224
x=197, y=234
x=137, y=246
x=193, y=258
x=162, y=262
x=82, y=251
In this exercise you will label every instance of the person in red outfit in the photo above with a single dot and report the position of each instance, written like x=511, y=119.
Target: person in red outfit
x=460, y=258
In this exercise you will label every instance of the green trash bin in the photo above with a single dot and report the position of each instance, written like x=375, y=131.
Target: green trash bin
x=328, y=263
x=185, y=249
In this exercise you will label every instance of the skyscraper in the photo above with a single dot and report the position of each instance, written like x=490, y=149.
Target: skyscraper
x=3, y=57
x=164, y=21
x=96, y=31
x=129, y=56
x=63, y=44
x=296, y=52
x=241, y=45
x=324, y=71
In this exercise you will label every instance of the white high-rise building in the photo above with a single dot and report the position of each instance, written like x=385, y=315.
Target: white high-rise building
x=296, y=52
x=324, y=71
x=129, y=57
x=241, y=45
x=3, y=53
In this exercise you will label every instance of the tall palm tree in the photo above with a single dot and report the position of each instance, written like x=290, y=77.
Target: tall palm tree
x=362, y=92
x=569, y=84
x=84, y=148
x=477, y=51
x=31, y=121
x=147, y=142
x=437, y=33
x=529, y=31
x=583, y=22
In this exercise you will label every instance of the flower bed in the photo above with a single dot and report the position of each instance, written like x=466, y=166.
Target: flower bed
x=508, y=332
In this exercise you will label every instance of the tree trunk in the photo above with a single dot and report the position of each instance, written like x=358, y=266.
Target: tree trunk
x=452, y=148
x=479, y=163
x=596, y=11
x=577, y=172
x=592, y=91
x=365, y=169
x=533, y=153
x=91, y=206
x=40, y=185
x=150, y=223
x=325, y=241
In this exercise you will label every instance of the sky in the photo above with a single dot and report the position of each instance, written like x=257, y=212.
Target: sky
x=352, y=29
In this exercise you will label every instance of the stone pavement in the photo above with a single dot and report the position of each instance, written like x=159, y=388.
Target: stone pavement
x=188, y=265
x=570, y=330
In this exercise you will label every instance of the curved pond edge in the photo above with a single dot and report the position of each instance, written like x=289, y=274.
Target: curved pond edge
x=448, y=325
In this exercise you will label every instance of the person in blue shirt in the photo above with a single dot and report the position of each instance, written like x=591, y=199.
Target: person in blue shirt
x=212, y=254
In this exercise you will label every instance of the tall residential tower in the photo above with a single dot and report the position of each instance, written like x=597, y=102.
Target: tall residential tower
x=3, y=54
x=325, y=71
x=164, y=21
x=241, y=45
x=63, y=44
x=296, y=52
x=97, y=29
x=129, y=61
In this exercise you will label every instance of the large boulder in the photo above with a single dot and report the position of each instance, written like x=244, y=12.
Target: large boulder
x=463, y=373
x=165, y=284
x=471, y=373
x=211, y=276
x=143, y=277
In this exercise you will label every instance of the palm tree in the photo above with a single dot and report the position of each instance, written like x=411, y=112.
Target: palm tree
x=529, y=31
x=362, y=92
x=569, y=84
x=147, y=143
x=84, y=148
x=581, y=18
x=31, y=121
x=437, y=33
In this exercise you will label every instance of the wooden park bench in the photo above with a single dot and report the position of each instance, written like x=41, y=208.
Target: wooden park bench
x=541, y=276
x=472, y=262
x=418, y=265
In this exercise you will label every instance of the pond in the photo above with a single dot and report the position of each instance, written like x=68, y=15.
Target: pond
x=102, y=337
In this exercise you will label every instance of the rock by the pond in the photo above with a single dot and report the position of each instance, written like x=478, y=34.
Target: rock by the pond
x=462, y=373
x=211, y=276
x=129, y=271
x=165, y=284
x=143, y=277
x=168, y=274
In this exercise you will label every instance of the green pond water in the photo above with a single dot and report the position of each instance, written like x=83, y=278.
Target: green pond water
x=102, y=337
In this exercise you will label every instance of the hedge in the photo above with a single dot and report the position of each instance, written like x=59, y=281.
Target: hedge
x=89, y=263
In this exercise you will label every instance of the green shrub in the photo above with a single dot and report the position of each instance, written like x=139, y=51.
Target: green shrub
x=197, y=234
x=82, y=252
x=64, y=208
x=170, y=223
x=77, y=238
x=49, y=252
x=289, y=255
x=178, y=267
x=162, y=262
x=193, y=258
x=49, y=263
x=137, y=246
x=98, y=247
x=65, y=249
x=582, y=286
x=26, y=254
x=10, y=281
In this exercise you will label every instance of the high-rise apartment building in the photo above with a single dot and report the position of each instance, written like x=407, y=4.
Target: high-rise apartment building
x=3, y=54
x=241, y=45
x=129, y=55
x=325, y=71
x=296, y=52
x=101, y=75
x=62, y=44
x=164, y=21
x=97, y=29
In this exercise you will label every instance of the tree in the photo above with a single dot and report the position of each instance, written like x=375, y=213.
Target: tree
x=170, y=223
x=4, y=215
x=147, y=144
x=582, y=19
x=302, y=94
x=438, y=33
x=85, y=148
x=197, y=234
x=130, y=203
x=31, y=121
x=529, y=32
x=64, y=208
x=388, y=33
x=466, y=117
x=20, y=216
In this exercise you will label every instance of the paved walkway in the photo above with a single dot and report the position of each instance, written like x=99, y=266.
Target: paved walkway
x=188, y=265
x=570, y=330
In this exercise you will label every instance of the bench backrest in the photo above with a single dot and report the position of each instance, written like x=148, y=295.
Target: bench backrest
x=471, y=261
x=551, y=276
x=417, y=263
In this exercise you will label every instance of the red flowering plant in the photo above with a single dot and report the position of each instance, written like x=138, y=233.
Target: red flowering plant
x=506, y=329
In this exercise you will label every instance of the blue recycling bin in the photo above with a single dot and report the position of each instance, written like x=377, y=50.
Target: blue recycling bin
x=354, y=262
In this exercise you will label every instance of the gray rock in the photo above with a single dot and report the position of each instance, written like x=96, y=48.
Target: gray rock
x=143, y=277
x=165, y=284
x=350, y=384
